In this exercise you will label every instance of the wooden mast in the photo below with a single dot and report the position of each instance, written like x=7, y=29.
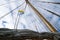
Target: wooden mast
x=52, y=29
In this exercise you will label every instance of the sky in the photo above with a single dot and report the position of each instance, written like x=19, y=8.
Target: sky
x=28, y=20
x=55, y=8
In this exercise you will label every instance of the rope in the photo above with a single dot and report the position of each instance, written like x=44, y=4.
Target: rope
x=17, y=19
x=10, y=11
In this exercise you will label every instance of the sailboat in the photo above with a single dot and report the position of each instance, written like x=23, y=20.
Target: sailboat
x=31, y=21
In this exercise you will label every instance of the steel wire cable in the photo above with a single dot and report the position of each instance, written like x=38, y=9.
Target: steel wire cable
x=47, y=9
x=11, y=11
x=7, y=3
x=50, y=11
x=36, y=29
x=34, y=18
x=49, y=2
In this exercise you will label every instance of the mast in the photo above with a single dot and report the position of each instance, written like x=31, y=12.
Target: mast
x=52, y=29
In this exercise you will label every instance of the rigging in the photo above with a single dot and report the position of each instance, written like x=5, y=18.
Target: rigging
x=11, y=11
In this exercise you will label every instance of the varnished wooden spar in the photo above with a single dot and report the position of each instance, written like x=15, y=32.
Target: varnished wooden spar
x=52, y=29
